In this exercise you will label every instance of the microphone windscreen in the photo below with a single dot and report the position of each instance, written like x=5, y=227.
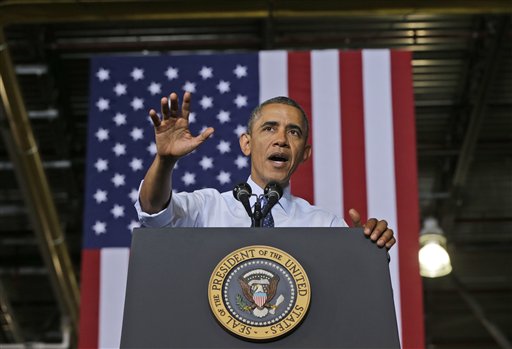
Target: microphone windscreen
x=273, y=189
x=241, y=189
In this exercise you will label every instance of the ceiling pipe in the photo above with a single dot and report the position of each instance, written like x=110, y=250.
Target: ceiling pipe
x=23, y=152
x=41, y=11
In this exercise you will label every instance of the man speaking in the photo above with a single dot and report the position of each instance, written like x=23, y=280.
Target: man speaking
x=277, y=143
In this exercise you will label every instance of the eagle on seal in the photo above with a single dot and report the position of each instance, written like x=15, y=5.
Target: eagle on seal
x=259, y=288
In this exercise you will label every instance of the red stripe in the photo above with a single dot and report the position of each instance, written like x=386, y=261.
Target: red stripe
x=352, y=134
x=299, y=89
x=407, y=200
x=89, y=310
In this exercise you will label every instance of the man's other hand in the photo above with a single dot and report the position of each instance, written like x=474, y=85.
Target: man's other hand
x=374, y=229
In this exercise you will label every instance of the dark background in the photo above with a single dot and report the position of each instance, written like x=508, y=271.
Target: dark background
x=462, y=65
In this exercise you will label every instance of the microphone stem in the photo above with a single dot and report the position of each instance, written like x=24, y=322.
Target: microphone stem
x=257, y=215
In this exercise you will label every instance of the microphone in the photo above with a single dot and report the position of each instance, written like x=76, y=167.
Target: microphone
x=242, y=192
x=273, y=191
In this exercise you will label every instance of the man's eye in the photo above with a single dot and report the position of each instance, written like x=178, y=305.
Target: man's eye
x=295, y=132
x=268, y=128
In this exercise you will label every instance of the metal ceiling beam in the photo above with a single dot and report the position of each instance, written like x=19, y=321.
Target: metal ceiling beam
x=476, y=118
x=39, y=11
x=23, y=151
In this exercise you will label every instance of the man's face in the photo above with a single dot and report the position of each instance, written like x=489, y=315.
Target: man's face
x=276, y=144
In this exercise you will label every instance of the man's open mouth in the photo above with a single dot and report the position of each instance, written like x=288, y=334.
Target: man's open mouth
x=278, y=157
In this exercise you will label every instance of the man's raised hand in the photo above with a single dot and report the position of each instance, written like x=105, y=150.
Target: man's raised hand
x=172, y=135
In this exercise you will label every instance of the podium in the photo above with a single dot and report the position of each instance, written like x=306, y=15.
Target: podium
x=167, y=303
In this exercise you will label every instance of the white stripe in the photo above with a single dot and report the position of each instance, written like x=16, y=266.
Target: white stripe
x=327, y=176
x=380, y=159
x=113, y=273
x=273, y=66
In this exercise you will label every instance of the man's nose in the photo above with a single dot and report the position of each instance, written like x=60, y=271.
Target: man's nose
x=281, y=138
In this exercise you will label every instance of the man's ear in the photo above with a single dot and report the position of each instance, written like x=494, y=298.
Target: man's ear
x=245, y=144
x=307, y=152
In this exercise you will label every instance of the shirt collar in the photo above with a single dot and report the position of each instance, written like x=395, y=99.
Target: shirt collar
x=284, y=202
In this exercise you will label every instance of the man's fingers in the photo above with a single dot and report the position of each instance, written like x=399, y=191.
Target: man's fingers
x=164, y=106
x=174, y=105
x=369, y=227
x=385, y=237
x=378, y=229
x=185, y=107
x=205, y=134
x=355, y=217
x=390, y=243
x=154, y=117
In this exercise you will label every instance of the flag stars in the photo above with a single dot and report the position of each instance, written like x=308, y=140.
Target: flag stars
x=117, y=211
x=103, y=104
x=119, y=149
x=152, y=149
x=134, y=195
x=223, y=86
x=206, y=163
x=137, y=74
x=120, y=119
x=101, y=134
x=103, y=74
x=137, y=103
x=240, y=101
x=224, y=147
x=240, y=71
x=101, y=165
x=137, y=133
x=188, y=178
x=133, y=224
x=240, y=130
x=191, y=118
x=223, y=116
x=206, y=102
x=206, y=72
x=155, y=88
x=120, y=89
x=99, y=227
x=224, y=177
x=171, y=73
x=100, y=196
x=118, y=180
x=136, y=164
x=189, y=87
x=241, y=162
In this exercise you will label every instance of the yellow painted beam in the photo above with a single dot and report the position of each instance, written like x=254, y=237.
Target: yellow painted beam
x=24, y=153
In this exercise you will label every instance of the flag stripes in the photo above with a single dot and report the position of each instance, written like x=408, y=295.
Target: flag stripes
x=364, y=107
x=406, y=178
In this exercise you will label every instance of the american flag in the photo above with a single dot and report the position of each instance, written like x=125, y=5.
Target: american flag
x=361, y=110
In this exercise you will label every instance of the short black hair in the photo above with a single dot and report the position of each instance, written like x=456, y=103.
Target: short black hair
x=256, y=113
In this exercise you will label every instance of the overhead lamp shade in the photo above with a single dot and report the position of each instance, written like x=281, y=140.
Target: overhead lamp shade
x=433, y=257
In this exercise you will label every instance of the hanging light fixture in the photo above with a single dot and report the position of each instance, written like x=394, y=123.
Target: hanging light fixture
x=433, y=257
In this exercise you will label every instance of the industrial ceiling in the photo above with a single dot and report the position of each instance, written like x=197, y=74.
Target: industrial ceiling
x=462, y=66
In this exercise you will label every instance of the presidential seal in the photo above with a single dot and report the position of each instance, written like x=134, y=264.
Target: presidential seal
x=259, y=293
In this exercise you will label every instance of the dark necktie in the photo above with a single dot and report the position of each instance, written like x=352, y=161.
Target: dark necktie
x=268, y=221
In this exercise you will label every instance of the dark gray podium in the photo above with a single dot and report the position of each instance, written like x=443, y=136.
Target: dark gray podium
x=167, y=305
